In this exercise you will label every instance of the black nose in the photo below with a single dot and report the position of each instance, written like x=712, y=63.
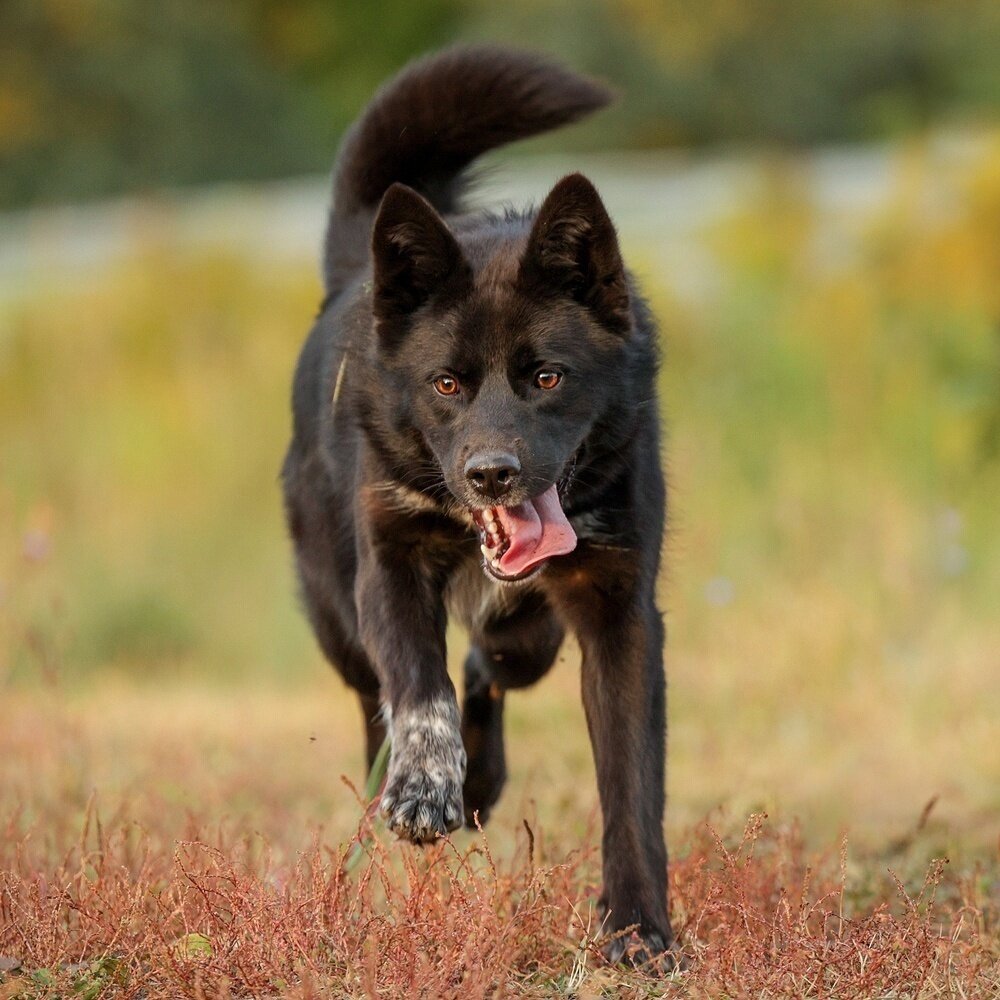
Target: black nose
x=492, y=474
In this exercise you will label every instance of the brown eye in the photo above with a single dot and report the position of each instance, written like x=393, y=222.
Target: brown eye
x=547, y=380
x=446, y=385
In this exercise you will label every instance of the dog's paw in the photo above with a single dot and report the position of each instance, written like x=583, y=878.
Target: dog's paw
x=422, y=805
x=647, y=945
x=646, y=951
x=423, y=792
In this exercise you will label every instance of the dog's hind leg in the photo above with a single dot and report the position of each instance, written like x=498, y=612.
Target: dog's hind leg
x=354, y=666
x=375, y=729
x=509, y=652
x=482, y=734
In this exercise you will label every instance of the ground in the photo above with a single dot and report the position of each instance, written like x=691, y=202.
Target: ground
x=197, y=842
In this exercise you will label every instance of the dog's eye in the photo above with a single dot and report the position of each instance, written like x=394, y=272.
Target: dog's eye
x=446, y=385
x=547, y=379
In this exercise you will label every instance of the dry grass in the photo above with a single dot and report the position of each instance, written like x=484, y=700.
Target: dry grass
x=124, y=912
x=211, y=863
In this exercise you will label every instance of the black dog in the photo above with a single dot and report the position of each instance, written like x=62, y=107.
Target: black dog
x=475, y=429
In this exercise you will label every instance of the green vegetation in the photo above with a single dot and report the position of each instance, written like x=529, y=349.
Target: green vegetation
x=101, y=96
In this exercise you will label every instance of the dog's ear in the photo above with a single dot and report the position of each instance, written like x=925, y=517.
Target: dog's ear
x=413, y=251
x=573, y=249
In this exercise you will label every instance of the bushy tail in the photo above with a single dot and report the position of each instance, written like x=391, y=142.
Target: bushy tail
x=427, y=124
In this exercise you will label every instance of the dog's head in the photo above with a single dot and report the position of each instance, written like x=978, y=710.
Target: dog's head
x=500, y=352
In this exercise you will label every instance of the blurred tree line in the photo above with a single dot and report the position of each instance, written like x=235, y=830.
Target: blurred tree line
x=102, y=96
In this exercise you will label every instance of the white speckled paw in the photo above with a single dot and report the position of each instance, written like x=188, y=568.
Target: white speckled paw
x=423, y=792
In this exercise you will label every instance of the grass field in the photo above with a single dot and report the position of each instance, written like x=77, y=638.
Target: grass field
x=173, y=819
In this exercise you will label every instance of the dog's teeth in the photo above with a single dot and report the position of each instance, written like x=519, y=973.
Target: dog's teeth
x=485, y=551
x=489, y=517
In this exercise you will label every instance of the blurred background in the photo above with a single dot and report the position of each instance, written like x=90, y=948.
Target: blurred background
x=810, y=191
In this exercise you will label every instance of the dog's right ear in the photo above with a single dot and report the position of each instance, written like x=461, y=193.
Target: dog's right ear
x=414, y=254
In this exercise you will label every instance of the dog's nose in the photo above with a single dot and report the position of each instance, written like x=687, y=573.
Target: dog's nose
x=492, y=474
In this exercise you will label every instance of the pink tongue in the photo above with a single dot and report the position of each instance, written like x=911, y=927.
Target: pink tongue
x=537, y=530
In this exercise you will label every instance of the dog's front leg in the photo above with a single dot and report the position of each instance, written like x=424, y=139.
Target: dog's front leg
x=624, y=699
x=613, y=612
x=402, y=622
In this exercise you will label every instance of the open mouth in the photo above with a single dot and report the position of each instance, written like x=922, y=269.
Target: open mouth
x=517, y=541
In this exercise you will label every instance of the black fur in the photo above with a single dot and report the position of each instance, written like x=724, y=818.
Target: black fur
x=377, y=485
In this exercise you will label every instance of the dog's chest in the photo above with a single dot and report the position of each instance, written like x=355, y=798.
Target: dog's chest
x=473, y=599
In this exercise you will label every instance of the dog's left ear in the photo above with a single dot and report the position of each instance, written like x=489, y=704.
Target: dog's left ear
x=573, y=248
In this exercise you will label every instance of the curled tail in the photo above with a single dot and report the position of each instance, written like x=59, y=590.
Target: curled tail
x=428, y=123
